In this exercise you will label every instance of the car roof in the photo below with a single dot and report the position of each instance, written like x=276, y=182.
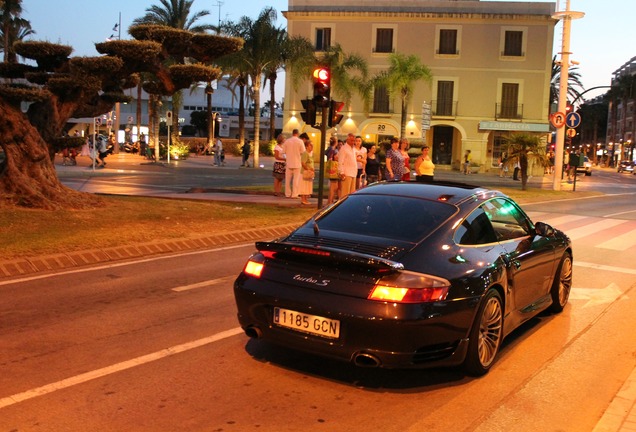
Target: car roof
x=450, y=192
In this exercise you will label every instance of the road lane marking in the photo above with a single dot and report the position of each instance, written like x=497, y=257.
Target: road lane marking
x=560, y=220
x=621, y=242
x=123, y=264
x=204, y=284
x=597, y=296
x=605, y=267
x=593, y=228
x=109, y=370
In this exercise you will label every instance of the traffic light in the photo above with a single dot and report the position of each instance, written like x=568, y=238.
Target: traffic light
x=309, y=115
x=334, y=113
x=322, y=86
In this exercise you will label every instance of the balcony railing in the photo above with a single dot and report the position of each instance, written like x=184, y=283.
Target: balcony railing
x=444, y=108
x=509, y=112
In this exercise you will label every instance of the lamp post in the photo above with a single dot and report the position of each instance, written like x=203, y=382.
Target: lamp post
x=567, y=17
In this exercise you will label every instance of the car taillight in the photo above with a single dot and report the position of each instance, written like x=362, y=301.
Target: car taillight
x=254, y=268
x=410, y=287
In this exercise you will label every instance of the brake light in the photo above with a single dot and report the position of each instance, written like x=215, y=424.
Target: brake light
x=254, y=268
x=410, y=287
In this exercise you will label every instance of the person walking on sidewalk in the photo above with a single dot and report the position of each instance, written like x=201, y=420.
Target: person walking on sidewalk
x=293, y=147
x=246, y=150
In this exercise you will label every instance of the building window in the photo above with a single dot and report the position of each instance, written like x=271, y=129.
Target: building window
x=444, y=103
x=384, y=40
x=447, y=42
x=323, y=39
x=380, y=100
x=509, y=100
x=513, y=44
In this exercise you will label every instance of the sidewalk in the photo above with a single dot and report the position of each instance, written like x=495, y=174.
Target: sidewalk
x=620, y=415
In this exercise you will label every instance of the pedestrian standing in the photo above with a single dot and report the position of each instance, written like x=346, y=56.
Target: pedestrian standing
x=394, y=162
x=467, y=159
x=279, y=165
x=347, y=166
x=424, y=167
x=293, y=147
x=218, y=150
x=307, y=172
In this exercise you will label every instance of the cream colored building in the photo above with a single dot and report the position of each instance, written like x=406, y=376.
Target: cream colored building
x=491, y=65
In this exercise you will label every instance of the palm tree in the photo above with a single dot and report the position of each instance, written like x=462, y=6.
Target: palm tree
x=574, y=83
x=404, y=71
x=522, y=148
x=259, y=54
x=12, y=27
x=271, y=73
x=349, y=74
x=176, y=14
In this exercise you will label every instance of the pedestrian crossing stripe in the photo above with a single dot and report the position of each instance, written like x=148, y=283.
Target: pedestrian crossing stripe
x=577, y=227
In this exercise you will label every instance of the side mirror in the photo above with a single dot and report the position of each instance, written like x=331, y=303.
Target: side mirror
x=543, y=229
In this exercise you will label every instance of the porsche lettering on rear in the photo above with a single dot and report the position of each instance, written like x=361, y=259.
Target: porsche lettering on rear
x=311, y=280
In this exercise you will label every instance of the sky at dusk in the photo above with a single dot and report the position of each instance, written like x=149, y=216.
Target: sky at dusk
x=602, y=41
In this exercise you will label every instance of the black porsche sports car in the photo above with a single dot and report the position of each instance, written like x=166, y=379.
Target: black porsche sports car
x=406, y=275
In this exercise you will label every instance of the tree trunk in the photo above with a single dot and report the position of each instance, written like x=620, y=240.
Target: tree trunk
x=272, y=107
x=138, y=110
x=523, y=168
x=257, y=117
x=30, y=179
x=241, y=114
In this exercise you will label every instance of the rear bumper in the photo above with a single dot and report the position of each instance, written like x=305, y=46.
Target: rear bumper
x=371, y=333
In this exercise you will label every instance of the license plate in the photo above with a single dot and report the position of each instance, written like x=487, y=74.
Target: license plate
x=312, y=324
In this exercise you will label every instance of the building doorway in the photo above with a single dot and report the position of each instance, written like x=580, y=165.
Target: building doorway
x=443, y=145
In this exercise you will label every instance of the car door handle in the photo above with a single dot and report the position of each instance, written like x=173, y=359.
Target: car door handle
x=510, y=263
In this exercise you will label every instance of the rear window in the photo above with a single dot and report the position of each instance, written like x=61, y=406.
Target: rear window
x=397, y=217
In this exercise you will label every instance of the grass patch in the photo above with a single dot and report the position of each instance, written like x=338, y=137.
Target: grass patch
x=131, y=220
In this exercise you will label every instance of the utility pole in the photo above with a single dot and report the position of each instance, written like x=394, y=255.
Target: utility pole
x=566, y=16
x=219, y=4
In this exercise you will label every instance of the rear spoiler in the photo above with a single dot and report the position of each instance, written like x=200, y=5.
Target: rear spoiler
x=380, y=265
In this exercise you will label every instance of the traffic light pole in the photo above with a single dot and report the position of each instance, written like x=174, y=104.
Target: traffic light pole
x=323, y=140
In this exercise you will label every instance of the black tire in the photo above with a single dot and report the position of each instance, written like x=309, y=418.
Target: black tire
x=562, y=284
x=486, y=335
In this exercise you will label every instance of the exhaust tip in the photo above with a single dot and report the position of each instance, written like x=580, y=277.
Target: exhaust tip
x=366, y=360
x=253, y=332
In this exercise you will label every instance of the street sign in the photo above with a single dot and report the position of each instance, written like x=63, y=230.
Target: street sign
x=557, y=119
x=573, y=119
x=426, y=117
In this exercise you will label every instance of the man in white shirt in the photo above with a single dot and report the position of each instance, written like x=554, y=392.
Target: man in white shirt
x=293, y=148
x=348, y=166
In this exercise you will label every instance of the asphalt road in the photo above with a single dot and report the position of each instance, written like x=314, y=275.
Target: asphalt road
x=153, y=344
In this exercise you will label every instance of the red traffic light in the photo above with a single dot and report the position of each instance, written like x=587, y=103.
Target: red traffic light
x=322, y=74
x=322, y=86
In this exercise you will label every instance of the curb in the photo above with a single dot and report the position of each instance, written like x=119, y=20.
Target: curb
x=34, y=265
